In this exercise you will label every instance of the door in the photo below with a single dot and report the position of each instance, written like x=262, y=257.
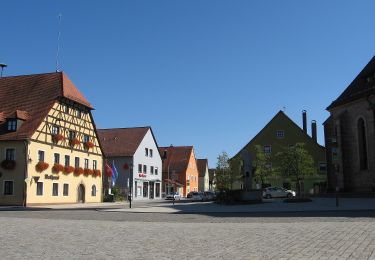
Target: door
x=151, y=190
x=81, y=193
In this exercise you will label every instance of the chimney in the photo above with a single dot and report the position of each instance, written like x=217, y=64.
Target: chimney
x=313, y=130
x=2, y=66
x=304, y=121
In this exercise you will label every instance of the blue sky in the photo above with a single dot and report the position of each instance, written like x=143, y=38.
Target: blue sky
x=204, y=73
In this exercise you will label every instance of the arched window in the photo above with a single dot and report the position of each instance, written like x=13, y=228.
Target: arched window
x=93, y=190
x=362, y=144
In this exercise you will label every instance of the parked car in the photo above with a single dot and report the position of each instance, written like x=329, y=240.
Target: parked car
x=189, y=195
x=175, y=196
x=197, y=196
x=277, y=192
x=210, y=195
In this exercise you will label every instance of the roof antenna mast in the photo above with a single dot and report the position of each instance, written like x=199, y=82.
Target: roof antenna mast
x=58, y=44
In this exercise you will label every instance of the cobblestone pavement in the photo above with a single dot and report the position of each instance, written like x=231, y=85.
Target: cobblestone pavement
x=91, y=234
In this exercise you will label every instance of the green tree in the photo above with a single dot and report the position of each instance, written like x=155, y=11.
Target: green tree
x=228, y=171
x=296, y=163
x=261, y=164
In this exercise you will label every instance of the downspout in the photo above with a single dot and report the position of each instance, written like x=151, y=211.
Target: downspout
x=25, y=172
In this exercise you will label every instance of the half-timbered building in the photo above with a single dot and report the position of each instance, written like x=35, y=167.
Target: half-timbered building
x=49, y=150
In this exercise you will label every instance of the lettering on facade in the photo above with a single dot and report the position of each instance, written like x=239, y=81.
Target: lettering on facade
x=51, y=177
x=142, y=175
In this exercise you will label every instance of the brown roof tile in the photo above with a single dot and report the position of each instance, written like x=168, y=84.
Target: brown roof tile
x=121, y=141
x=361, y=86
x=30, y=98
x=202, y=166
x=177, y=158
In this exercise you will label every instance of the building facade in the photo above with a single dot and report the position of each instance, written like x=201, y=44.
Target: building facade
x=49, y=142
x=280, y=133
x=135, y=155
x=180, y=170
x=203, y=184
x=350, y=135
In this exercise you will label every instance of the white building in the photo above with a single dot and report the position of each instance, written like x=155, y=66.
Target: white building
x=135, y=154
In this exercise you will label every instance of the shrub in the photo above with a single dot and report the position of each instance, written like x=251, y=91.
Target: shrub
x=56, y=168
x=88, y=172
x=78, y=171
x=68, y=169
x=97, y=173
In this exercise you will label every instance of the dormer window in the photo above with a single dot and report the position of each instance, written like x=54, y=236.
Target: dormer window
x=12, y=124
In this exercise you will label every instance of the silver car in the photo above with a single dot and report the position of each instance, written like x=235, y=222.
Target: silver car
x=173, y=196
x=277, y=192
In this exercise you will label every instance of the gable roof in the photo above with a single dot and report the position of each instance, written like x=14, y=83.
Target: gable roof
x=30, y=98
x=122, y=141
x=283, y=116
x=177, y=158
x=361, y=86
x=202, y=167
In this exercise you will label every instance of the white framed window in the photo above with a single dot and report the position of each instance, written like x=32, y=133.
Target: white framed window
x=55, y=189
x=55, y=130
x=145, y=169
x=39, y=188
x=152, y=169
x=76, y=162
x=267, y=149
x=146, y=152
x=151, y=152
x=86, y=164
x=40, y=156
x=156, y=171
x=56, y=157
x=8, y=187
x=67, y=160
x=139, y=168
x=86, y=138
x=94, y=164
x=66, y=189
x=12, y=125
x=10, y=154
x=93, y=190
x=280, y=133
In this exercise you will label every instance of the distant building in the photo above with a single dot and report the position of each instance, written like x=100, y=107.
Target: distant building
x=203, y=184
x=48, y=142
x=281, y=132
x=350, y=135
x=180, y=170
x=135, y=154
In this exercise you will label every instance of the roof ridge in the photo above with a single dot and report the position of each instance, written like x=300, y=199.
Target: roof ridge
x=29, y=75
x=123, y=128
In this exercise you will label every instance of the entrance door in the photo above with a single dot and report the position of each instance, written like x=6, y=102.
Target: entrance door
x=81, y=193
x=151, y=190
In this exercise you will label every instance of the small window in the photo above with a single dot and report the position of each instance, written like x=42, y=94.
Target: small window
x=152, y=169
x=67, y=160
x=39, y=188
x=40, y=156
x=335, y=155
x=151, y=153
x=86, y=166
x=66, y=189
x=66, y=109
x=280, y=133
x=267, y=149
x=145, y=169
x=322, y=167
x=156, y=170
x=139, y=168
x=146, y=151
x=10, y=154
x=72, y=135
x=76, y=162
x=93, y=190
x=78, y=113
x=86, y=138
x=94, y=164
x=55, y=130
x=56, y=158
x=55, y=189
x=8, y=187
x=12, y=124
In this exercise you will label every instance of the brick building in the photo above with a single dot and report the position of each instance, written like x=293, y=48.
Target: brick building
x=350, y=135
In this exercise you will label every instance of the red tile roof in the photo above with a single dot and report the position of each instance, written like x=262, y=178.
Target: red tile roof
x=177, y=158
x=202, y=166
x=30, y=98
x=362, y=85
x=121, y=141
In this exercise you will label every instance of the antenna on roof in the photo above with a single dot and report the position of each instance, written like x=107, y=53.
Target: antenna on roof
x=58, y=44
x=2, y=65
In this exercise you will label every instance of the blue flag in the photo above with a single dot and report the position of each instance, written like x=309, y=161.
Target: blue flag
x=114, y=174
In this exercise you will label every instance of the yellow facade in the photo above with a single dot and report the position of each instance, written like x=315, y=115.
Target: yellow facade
x=28, y=154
